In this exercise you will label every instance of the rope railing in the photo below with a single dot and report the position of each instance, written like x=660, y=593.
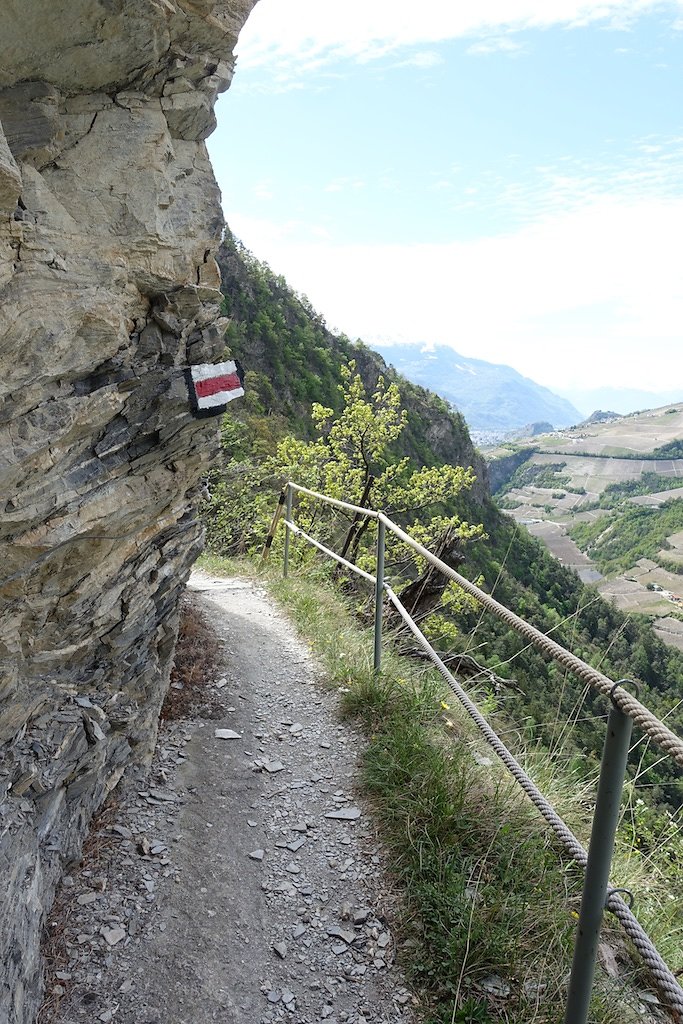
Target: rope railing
x=665, y=978
x=332, y=554
x=630, y=705
x=626, y=709
x=626, y=702
x=370, y=513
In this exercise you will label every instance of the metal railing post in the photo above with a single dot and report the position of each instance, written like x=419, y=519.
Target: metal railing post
x=379, y=594
x=288, y=518
x=605, y=820
x=273, y=526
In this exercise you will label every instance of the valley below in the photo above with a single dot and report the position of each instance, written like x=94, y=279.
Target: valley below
x=597, y=495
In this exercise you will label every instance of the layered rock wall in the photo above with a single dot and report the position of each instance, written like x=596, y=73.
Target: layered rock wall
x=109, y=219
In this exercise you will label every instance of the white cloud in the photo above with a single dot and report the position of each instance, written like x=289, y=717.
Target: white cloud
x=495, y=44
x=305, y=34
x=594, y=296
x=344, y=184
x=650, y=167
x=424, y=59
x=263, y=190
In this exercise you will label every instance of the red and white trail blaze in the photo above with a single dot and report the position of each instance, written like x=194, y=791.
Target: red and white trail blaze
x=212, y=385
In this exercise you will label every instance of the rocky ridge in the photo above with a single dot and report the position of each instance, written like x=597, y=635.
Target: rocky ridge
x=109, y=219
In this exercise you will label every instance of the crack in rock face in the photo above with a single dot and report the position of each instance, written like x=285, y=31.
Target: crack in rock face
x=109, y=290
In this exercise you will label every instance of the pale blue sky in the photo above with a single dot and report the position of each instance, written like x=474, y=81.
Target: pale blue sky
x=504, y=176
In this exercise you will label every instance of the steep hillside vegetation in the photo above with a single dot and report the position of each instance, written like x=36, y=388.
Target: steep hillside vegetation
x=618, y=540
x=292, y=360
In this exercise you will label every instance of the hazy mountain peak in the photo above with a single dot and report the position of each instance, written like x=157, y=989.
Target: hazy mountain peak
x=491, y=396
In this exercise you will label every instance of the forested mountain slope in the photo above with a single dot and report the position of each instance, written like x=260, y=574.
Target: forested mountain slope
x=291, y=361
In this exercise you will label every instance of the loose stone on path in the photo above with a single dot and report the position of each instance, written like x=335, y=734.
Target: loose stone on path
x=345, y=814
x=184, y=931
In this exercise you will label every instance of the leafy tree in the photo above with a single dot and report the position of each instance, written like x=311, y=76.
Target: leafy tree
x=350, y=458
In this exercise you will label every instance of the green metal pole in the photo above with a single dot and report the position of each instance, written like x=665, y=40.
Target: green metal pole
x=288, y=518
x=379, y=594
x=605, y=819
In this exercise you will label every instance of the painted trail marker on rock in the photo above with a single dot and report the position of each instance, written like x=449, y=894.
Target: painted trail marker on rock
x=212, y=385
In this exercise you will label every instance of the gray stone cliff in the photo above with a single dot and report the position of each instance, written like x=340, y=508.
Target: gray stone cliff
x=109, y=219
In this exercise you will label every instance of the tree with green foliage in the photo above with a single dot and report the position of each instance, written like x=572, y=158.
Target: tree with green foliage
x=350, y=458
x=617, y=540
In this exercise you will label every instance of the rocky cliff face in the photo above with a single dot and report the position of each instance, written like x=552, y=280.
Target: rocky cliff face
x=109, y=218
x=501, y=470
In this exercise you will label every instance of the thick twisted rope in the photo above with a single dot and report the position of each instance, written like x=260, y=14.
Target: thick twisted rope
x=667, y=985
x=669, y=989
x=625, y=701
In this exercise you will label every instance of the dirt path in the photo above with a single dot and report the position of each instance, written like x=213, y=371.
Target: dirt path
x=241, y=882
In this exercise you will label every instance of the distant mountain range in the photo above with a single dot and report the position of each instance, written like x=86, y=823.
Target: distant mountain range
x=491, y=396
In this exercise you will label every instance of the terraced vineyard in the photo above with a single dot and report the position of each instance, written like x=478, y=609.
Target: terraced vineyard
x=606, y=500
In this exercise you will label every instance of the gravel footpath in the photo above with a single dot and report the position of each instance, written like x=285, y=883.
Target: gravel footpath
x=241, y=880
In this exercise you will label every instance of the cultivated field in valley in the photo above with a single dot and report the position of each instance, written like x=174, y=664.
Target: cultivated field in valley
x=576, y=476
x=639, y=433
